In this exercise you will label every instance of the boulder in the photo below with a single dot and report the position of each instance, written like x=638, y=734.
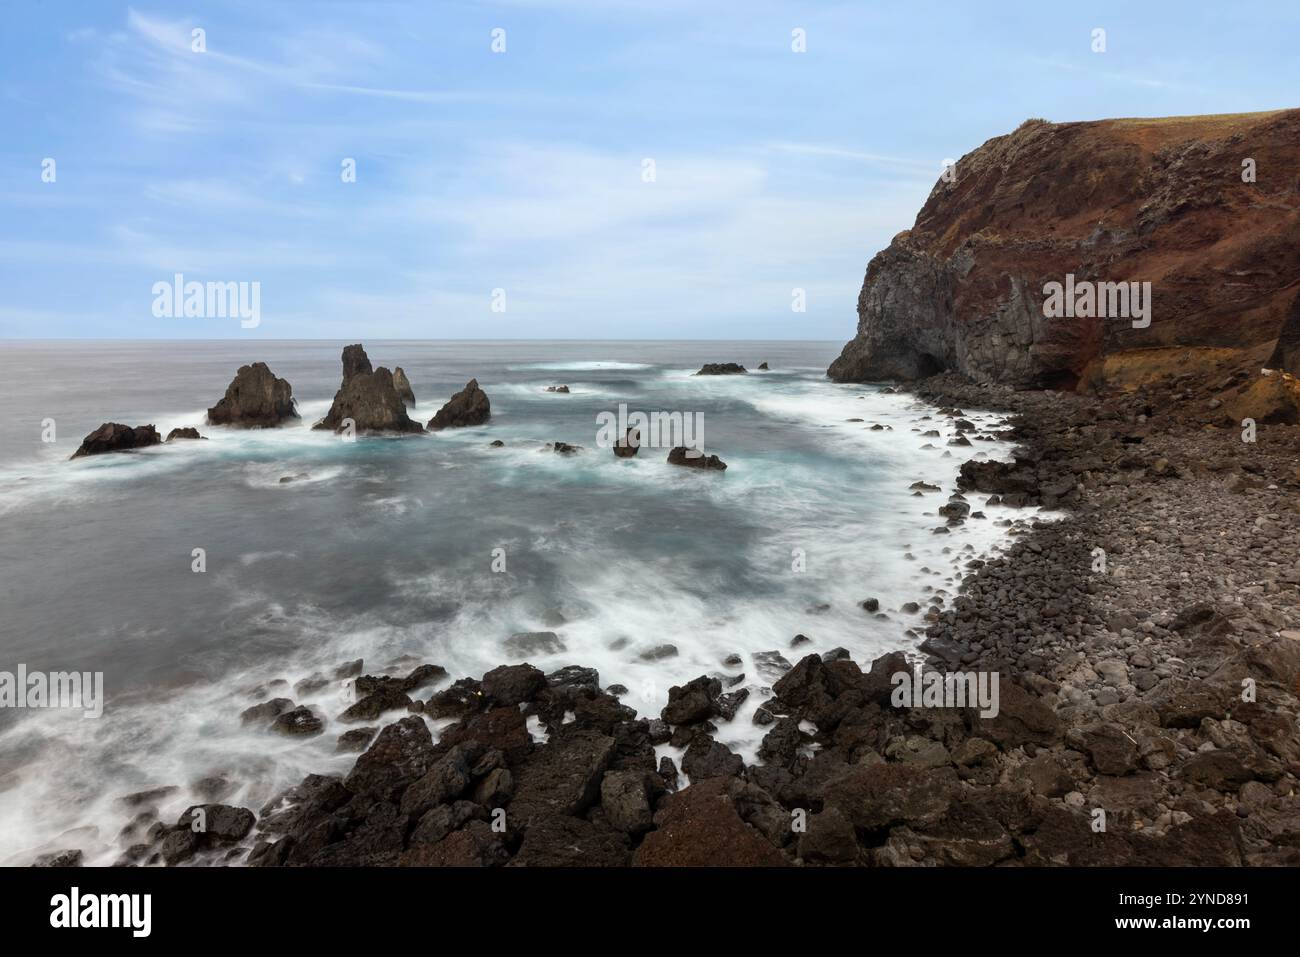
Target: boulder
x=469, y=406
x=115, y=437
x=721, y=368
x=629, y=445
x=696, y=459
x=184, y=433
x=702, y=827
x=255, y=399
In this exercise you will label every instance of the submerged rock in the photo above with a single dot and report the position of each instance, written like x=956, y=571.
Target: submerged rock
x=115, y=437
x=629, y=445
x=469, y=406
x=255, y=399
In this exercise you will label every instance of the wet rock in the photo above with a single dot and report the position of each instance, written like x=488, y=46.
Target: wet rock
x=370, y=707
x=706, y=758
x=184, y=433
x=694, y=701
x=265, y=712
x=300, y=721
x=513, y=684
x=217, y=823
x=115, y=437
x=402, y=753
x=629, y=445
x=721, y=368
x=468, y=407
x=530, y=643
x=355, y=740
x=696, y=459
x=66, y=858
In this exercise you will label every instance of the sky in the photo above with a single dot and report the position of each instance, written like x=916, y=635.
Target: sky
x=550, y=169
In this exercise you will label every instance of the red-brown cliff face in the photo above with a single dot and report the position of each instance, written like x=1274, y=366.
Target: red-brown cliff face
x=1139, y=200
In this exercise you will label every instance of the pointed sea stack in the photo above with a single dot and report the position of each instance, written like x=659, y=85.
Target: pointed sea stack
x=255, y=399
x=403, y=386
x=369, y=398
x=469, y=406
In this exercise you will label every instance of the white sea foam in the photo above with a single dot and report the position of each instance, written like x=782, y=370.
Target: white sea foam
x=612, y=605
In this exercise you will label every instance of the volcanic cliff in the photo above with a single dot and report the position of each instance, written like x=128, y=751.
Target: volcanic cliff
x=1205, y=208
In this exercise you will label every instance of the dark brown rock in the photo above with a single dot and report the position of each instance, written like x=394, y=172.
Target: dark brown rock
x=469, y=406
x=255, y=399
x=115, y=437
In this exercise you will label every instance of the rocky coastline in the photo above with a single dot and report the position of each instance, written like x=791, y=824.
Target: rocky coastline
x=1144, y=640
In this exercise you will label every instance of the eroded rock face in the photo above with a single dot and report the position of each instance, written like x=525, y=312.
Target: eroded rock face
x=403, y=387
x=1110, y=201
x=369, y=398
x=255, y=399
x=355, y=361
x=469, y=406
x=115, y=437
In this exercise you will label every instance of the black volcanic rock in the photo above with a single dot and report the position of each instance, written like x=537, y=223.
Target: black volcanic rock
x=255, y=399
x=679, y=456
x=185, y=433
x=355, y=361
x=369, y=398
x=721, y=368
x=403, y=386
x=115, y=437
x=469, y=406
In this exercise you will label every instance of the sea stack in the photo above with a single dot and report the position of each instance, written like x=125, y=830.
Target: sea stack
x=403, y=386
x=255, y=399
x=115, y=437
x=469, y=406
x=368, y=397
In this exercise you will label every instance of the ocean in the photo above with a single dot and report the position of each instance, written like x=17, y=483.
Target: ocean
x=392, y=549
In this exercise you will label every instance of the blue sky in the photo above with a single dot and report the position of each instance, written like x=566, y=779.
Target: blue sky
x=523, y=170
